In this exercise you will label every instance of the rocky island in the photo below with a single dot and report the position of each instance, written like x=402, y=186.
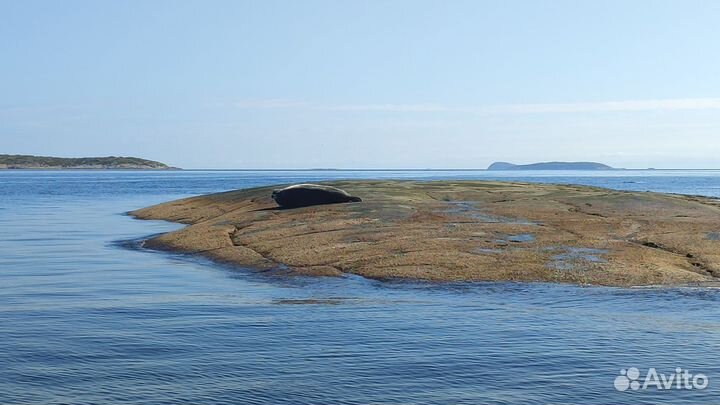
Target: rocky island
x=57, y=163
x=458, y=230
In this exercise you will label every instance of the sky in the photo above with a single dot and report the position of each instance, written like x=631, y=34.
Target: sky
x=363, y=84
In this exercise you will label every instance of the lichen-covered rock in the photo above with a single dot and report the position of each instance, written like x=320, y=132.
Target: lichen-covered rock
x=459, y=230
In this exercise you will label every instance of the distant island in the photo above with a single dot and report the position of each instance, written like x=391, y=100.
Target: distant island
x=550, y=166
x=57, y=163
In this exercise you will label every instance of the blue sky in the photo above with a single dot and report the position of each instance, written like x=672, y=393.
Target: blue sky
x=363, y=84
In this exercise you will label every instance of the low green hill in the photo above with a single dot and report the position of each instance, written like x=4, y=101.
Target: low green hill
x=46, y=162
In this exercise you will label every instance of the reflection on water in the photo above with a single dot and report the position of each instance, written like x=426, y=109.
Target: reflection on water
x=86, y=318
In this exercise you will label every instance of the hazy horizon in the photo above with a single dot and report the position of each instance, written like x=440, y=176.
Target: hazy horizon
x=374, y=168
x=363, y=85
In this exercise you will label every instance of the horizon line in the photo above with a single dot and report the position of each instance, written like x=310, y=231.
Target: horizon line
x=431, y=169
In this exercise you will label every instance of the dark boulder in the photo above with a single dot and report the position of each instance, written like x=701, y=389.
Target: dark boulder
x=304, y=195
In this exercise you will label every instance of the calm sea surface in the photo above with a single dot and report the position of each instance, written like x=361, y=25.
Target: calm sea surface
x=85, y=319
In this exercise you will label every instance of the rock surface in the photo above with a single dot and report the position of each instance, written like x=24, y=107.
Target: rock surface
x=458, y=230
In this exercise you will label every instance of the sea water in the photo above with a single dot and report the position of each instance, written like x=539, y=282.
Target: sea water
x=88, y=318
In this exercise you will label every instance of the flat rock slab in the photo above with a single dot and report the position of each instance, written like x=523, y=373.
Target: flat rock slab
x=458, y=230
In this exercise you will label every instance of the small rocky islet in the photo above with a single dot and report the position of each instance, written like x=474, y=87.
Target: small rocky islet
x=458, y=231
